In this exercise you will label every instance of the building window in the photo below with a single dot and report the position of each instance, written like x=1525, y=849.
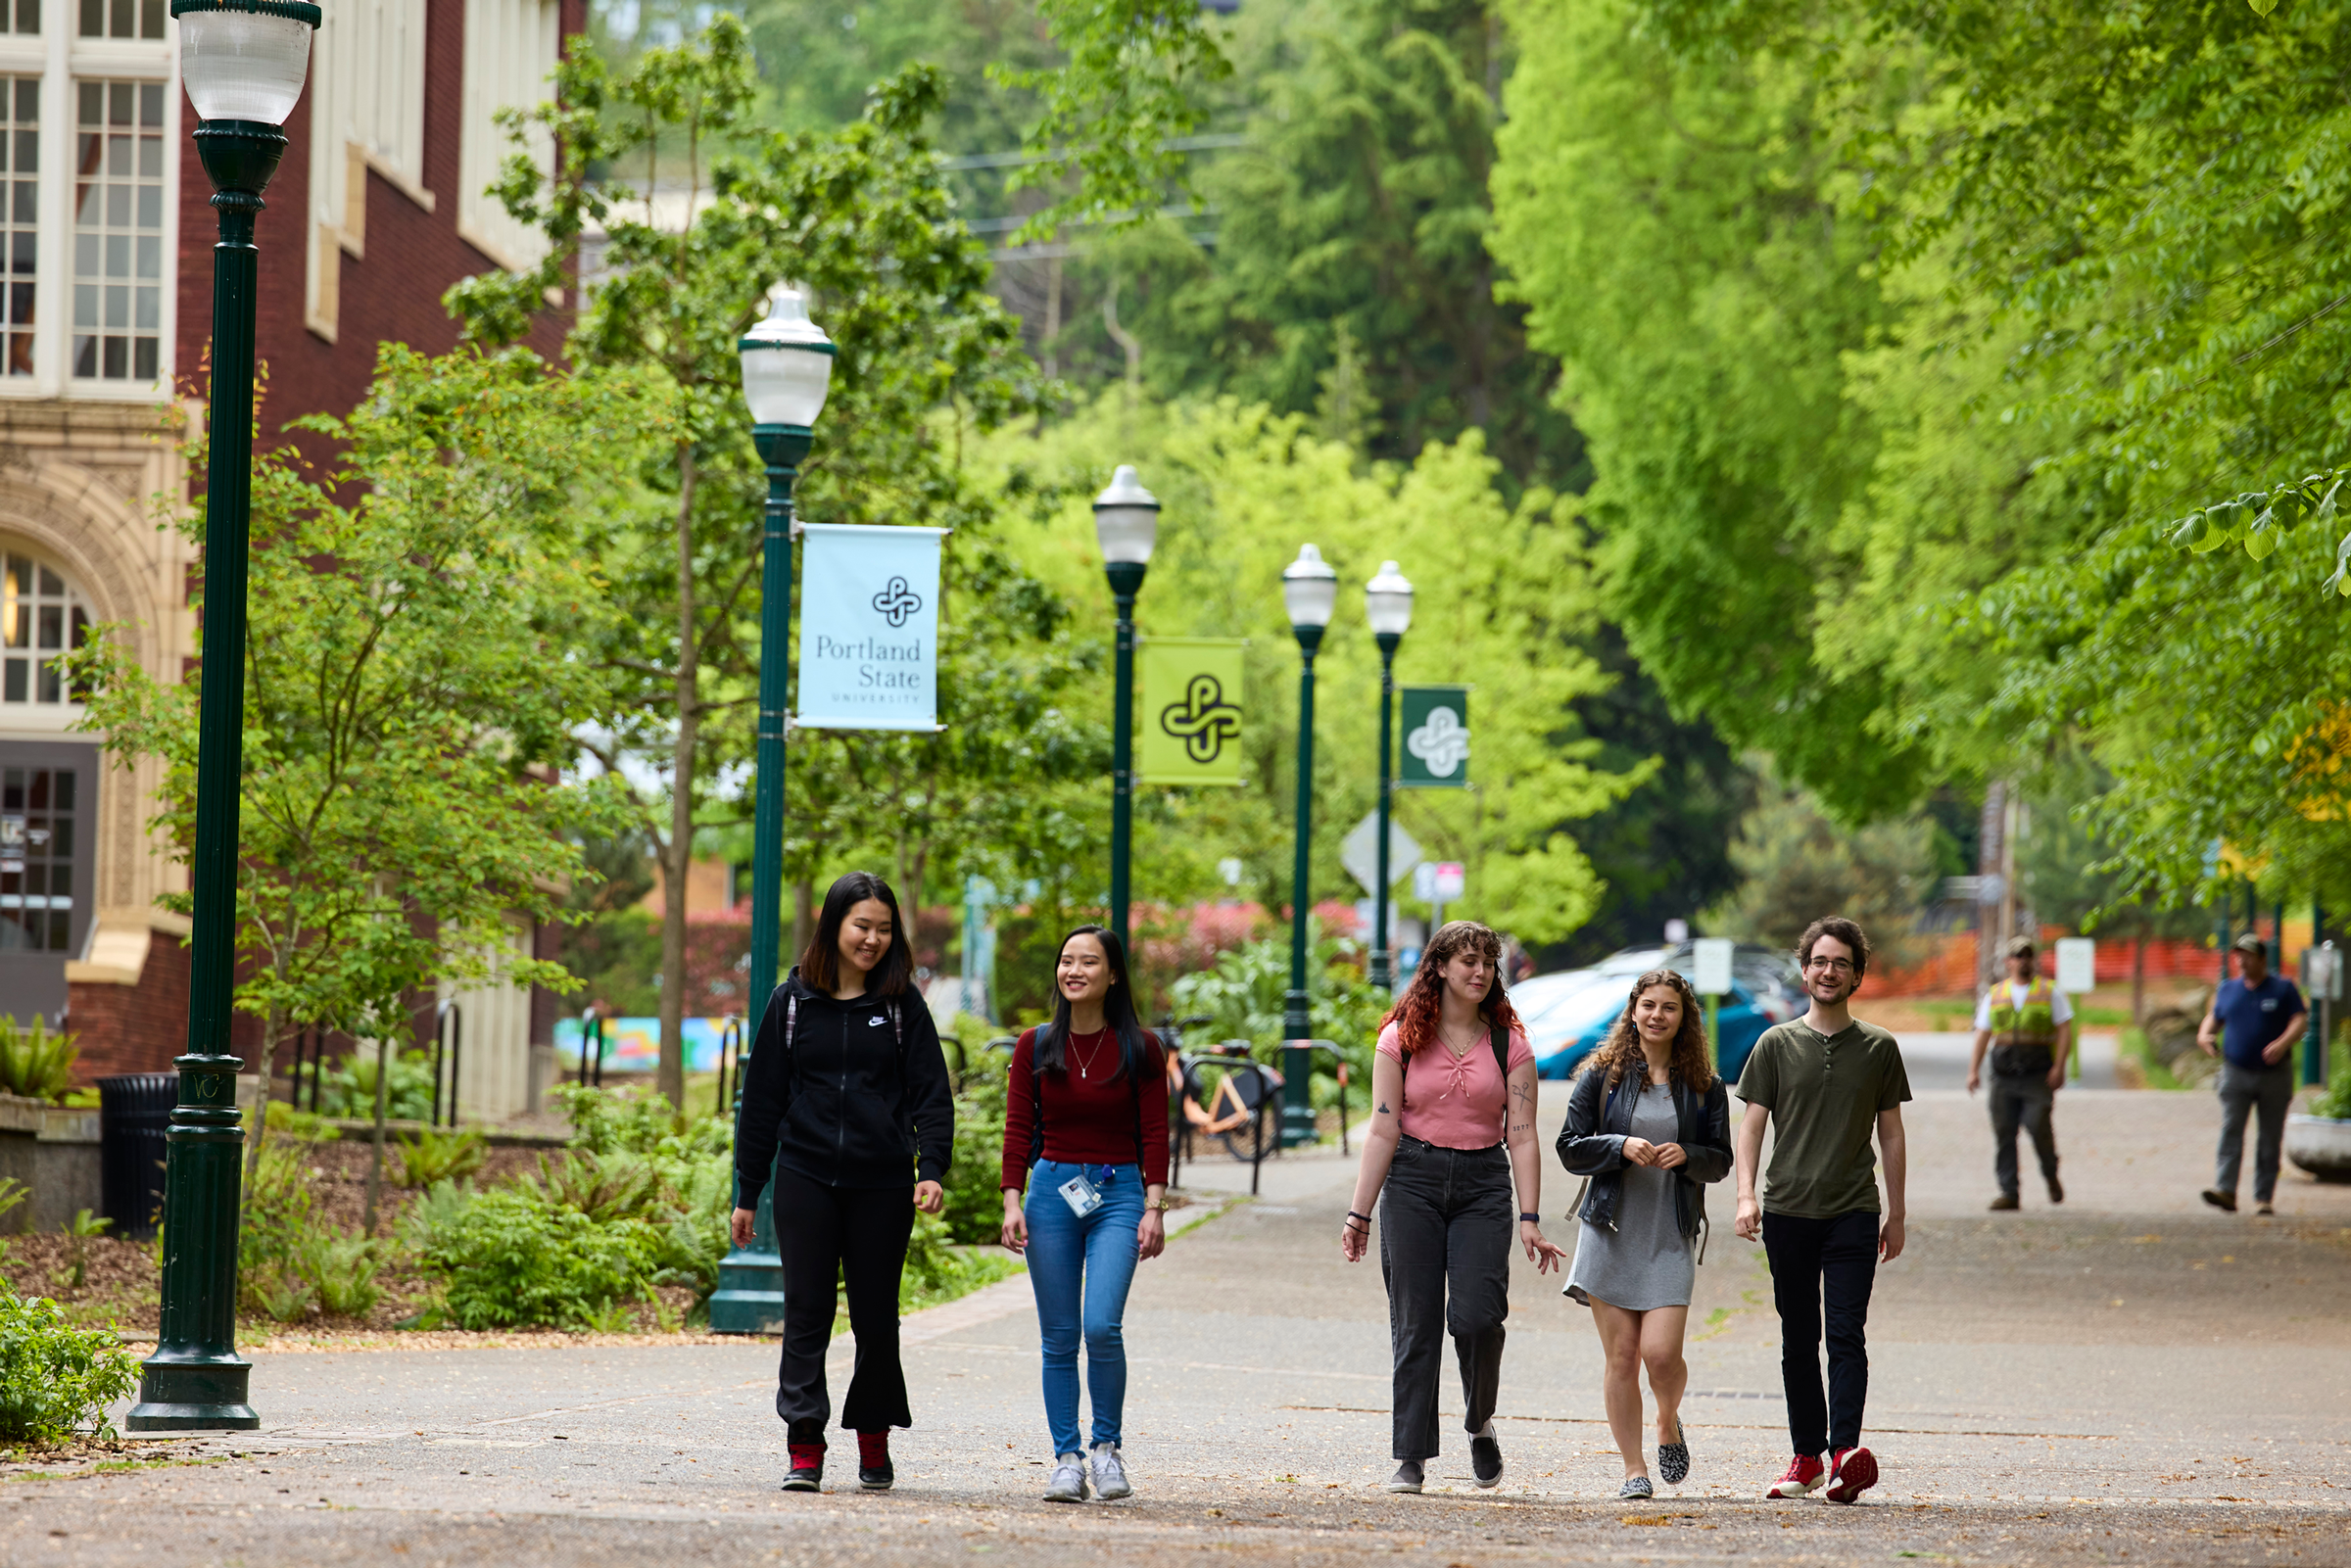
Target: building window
x=116, y=19
x=20, y=231
x=27, y=16
x=511, y=49
x=41, y=615
x=119, y=230
x=36, y=860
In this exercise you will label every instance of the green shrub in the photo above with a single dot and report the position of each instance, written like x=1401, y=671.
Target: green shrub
x=975, y=1211
x=34, y=1062
x=84, y=1226
x=54, y=1377
x=513, y=1257
x=1243, y=997
x=305, y=1126
x=345, y=1270
x=429, y=1156
x=349, y=1088
x=12, y=1193
x=2336, y=1101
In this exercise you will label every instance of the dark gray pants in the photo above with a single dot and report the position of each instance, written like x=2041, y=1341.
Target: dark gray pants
x=2243, y=1091
x=2024, y=1100
x=1445, y=1228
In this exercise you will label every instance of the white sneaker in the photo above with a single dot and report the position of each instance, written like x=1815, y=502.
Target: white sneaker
x=1110, y=1473
x=1069, y=1479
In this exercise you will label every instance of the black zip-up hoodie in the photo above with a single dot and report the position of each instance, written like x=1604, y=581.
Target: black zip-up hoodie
x=848, y=1103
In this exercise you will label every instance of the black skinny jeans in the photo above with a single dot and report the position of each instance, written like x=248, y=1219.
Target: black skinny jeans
x=1815, y=1260
x=857, y=1235
x=1445, y=1220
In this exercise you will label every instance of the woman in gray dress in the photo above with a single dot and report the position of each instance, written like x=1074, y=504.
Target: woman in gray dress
x=1647, y=1126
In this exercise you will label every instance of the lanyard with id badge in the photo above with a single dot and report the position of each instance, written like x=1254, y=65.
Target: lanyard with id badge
x=1081, y=1194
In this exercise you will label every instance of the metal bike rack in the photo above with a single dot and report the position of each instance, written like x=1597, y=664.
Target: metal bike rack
x=1330, y=1048
x=730, y=1052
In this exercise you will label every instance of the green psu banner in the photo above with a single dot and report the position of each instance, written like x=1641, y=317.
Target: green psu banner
x=1188, y=712
x=1436, y=738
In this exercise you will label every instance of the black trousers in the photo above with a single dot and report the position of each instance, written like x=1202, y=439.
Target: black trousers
x=1445, y=1228
x=1814, y=1262
x=856, y=1236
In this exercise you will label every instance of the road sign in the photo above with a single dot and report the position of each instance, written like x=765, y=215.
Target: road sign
x=2077, y=964
x=1711, y=958
x=2323, y=972
x=1447, y=881
x=1359, y=852
x=1436, y=738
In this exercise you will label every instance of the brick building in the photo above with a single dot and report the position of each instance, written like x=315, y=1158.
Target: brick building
x=105, y=321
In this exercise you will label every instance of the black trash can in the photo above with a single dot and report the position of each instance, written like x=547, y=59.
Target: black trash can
x=134, y=1111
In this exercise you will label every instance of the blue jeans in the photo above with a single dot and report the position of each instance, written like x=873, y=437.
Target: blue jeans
x=1080, y=1269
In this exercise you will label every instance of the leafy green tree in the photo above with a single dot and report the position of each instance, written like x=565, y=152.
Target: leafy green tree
x=1796, y=864
x=860, y=216
x=409, y=704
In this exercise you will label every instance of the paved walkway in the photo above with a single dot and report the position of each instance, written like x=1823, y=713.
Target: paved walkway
x=2128, y=1378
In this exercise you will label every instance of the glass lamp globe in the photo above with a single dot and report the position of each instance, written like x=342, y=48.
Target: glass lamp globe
x=245, y=59
x=1309, y=588
x=787, y=364
x=1388, y=601
x=1126, y=520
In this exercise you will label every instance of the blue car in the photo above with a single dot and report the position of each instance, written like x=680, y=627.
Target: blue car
x=1569, y=1013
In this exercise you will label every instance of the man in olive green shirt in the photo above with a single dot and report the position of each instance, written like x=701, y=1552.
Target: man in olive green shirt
x=1824, y=1082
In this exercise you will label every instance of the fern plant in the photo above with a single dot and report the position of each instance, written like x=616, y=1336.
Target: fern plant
x=34, y=1063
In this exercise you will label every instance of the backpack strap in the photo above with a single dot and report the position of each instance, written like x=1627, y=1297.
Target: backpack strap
x=1036, y=1100
x=1501, y=1037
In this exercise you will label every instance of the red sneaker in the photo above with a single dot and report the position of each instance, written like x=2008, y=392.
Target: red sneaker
x=807, y=1467
x=1853, y=1472
x=875, y=1472
x=1805, y=1474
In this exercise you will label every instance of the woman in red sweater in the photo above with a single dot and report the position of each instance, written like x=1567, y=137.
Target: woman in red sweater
x=1085, y=1133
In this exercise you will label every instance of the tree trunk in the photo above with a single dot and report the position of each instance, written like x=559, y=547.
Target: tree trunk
x=2138, y=980
x=677, y=857
x=803, y=921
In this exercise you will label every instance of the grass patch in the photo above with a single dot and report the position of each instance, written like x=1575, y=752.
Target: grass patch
x=2137, y=1057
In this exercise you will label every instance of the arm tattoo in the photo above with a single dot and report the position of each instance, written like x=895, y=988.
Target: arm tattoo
x=1383, y=1108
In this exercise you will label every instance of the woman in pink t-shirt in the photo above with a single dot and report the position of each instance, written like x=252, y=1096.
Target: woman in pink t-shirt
x=1452, y=1129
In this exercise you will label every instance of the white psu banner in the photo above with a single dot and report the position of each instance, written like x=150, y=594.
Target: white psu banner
x=869, y=628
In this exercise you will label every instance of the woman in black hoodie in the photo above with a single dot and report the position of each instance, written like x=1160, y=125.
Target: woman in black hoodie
x=846, y=1097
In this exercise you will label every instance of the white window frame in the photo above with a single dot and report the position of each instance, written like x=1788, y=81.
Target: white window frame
x=368, y=91
x=61, y=58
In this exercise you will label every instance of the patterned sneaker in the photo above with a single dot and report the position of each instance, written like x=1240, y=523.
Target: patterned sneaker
x=1406, y=1477
x=1853, y=1472
x=1673, y=1459
x=807, y=1467
x=1635, y=1489
x=1110, y=1473
x=1485, y=1456
x=875, y=1472
x=1805, y=1475
x=1069, y=1479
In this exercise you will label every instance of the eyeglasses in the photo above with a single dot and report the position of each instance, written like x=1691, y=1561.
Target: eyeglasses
x=1834, y=965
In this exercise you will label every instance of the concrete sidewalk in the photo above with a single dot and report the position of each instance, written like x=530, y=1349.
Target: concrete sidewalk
x=2127, y=1378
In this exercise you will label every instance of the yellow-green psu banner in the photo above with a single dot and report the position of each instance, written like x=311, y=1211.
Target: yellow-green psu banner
x=1189, y=713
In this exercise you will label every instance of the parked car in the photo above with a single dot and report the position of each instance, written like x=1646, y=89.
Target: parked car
x=1574, y=1008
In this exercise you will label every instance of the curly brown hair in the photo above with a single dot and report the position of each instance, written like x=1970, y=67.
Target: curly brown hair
x=1621, y=1052
x=1417, y=1011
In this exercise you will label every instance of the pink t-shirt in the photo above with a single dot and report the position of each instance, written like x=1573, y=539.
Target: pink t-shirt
x=1453, y=1103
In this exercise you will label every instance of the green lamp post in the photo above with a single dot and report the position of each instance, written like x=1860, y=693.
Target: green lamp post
x=1127, y=525
x=1388, y=606
x=243, y=62
x=787, y=371
x=1310, y=590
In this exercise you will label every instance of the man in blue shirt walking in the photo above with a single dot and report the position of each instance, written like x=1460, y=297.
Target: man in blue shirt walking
x=2258, y=1017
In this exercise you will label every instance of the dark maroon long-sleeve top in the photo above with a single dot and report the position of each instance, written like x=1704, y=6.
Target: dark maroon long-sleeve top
x=1093, y=1115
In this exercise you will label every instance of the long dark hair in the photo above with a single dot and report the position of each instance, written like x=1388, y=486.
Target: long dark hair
x=1621, y=1052
x=819, y=960
x=1415, y=1012
x=1118, y=1009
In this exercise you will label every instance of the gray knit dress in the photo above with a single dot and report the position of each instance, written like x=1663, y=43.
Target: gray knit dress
x=1645, y=1260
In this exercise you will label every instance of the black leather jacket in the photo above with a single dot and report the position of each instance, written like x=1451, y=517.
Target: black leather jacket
x=1600, y=1118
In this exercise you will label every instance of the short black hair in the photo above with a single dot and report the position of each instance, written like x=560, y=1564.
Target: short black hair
x=819, y=960
x=1844, y=930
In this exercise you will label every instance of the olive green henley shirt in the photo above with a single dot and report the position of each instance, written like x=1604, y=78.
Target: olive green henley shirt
x=1824, y=1093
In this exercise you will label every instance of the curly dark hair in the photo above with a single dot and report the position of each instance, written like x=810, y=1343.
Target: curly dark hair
x=1856, y=942
x=1621, y=1052
x=1417, y=1011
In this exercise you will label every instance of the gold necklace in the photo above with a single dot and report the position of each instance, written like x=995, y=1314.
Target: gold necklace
x=1459, y=1052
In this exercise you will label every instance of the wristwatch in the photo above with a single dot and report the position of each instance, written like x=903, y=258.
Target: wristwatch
x=1163, y=1205
x=1530, y=1220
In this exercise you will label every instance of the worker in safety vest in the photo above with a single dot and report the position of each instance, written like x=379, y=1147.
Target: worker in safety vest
x=2027, y=1024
